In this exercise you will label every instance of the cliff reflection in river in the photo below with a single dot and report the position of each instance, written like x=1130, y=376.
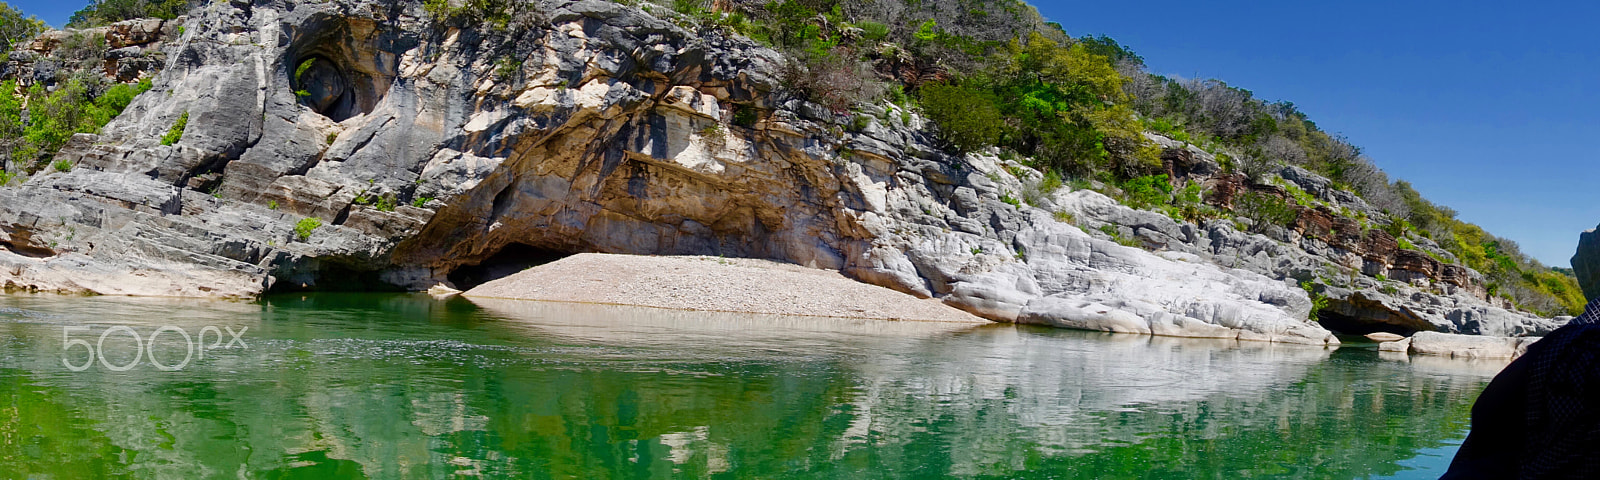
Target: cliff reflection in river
x=351, y=386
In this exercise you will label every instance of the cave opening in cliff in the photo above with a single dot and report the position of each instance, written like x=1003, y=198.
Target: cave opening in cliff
x=335, y=277
x=322, y=85
x=511, y=259
x=342, y=67
x=1348, y=325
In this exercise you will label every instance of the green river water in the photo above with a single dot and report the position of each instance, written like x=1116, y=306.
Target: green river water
x=405, y=386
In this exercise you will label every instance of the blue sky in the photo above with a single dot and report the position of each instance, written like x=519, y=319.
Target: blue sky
x=54, y=13
x=1488, y=108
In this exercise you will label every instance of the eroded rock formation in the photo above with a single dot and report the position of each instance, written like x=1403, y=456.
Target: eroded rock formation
x=1368, y=282
x=352, y=144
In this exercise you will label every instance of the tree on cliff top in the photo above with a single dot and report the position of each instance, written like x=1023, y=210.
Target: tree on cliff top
x=104, y=12
x=16, y=29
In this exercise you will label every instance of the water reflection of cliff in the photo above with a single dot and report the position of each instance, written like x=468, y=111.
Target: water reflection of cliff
x=350, y=386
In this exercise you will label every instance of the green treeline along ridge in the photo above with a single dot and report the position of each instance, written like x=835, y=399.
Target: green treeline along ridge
x=1072, y=107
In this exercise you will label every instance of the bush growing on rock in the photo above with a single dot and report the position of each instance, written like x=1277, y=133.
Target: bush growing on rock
x=304, y=228
x=1263, y=210
x=176, y=132
x=52, y=117
x=966, y=117
x=1147, y=191
x=834, y=78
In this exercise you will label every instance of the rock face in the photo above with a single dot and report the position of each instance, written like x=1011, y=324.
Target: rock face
x=1586, y=264
x=420, y=153
x=123, y=52
x=1369, y=283
x=1460, y=346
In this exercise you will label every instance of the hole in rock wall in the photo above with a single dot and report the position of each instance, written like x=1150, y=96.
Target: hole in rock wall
x=511, y=259
x=342, y=67
x=1353, y=326
x=321, y=85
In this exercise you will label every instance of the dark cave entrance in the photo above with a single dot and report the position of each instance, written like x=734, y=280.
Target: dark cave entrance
x=321, y=84
x=334, y=277
x=1348, y=325
x=511, y=259
x=341, y=67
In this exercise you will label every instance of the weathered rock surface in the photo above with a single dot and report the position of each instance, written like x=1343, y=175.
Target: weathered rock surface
x=1421, y=293
x=1461, y=346
x=1586, y=264
x=429, y=150
x=121, y=52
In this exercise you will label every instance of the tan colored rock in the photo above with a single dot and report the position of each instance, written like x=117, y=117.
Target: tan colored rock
x=441, y=291
x=713, y=284
x=1384, y=337
x=1418, y=262
x=1401, y=346
x=1379, y=246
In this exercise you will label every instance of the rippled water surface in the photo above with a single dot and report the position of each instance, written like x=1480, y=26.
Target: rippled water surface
x=404, y=386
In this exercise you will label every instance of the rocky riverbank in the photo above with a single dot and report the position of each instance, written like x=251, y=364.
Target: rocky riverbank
x=619, y=132
x=431, y=153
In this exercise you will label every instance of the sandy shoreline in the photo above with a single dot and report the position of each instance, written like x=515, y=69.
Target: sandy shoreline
x=714, y=284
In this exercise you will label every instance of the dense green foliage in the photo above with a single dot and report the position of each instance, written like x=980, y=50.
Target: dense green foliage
x=1264, y=210
x=102, y=12
x=496, y=13
x=1148, y=191
x=967, y=115
x=30, y=136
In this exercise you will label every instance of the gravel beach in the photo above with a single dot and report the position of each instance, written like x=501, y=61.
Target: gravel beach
x=714, y=284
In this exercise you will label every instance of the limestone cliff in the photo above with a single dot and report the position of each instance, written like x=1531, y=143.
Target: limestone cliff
x=1586, y=264
x=354, y=144
x=1368, y=282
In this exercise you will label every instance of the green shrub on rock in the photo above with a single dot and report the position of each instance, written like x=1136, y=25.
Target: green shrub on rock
x=305, y=227
x=1264, y=210
x=1147, y=191
x=105, y=12
x=53, y=116
x=176, y=132
x=967, y=117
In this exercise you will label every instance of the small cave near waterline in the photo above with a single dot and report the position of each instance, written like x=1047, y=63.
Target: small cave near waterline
x=511, y=259
x=333, y=277
x=1347, y=325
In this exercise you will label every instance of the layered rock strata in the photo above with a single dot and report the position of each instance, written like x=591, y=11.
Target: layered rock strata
x=430, y=153
x=1370, y=284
